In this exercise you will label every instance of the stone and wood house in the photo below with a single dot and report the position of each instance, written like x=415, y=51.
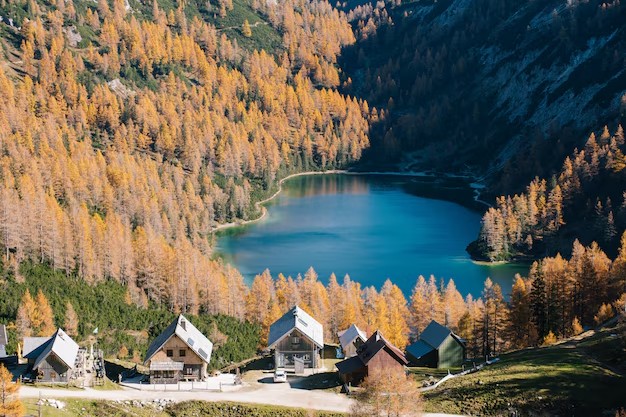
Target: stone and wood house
x=297, y=340
x=377, y=354
x=181, y=352
x=437, y=347
x=351, y=339
x=51, y=359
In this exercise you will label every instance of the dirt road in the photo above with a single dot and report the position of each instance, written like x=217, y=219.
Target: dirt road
x=272, y=394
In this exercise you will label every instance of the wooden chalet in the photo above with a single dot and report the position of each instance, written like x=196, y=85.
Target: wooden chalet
x=373, y=356
x=351, y=339
x=51, y=359
x=181, y=352
x=437, y=347
x=297, y=340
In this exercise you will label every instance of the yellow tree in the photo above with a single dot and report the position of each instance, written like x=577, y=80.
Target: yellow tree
x=71, y=320
x=25, y=314
x=10, y=405
x=386, y=393
x=246, y=30
x=45, y=318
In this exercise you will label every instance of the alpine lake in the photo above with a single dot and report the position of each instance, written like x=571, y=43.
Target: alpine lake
x=371, y=227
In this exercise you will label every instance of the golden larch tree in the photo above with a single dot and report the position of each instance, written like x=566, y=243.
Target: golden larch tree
x=10, y=404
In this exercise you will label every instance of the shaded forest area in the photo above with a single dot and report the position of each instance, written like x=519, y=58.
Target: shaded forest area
x=497, y=89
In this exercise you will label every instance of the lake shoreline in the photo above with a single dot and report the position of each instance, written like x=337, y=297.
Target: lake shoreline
x=259, y=205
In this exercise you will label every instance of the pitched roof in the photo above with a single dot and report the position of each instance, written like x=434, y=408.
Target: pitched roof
x=4, y=340
x=186, y=332
x=33, y=346
x=296, y=318
x=63, y=347
x=367, y=351
x=350, y=335
x=419, y=349
x=350, y=365
x=374, y=344
x=434, y=334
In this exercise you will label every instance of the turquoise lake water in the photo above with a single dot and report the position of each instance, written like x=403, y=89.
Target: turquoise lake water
x=370, y=227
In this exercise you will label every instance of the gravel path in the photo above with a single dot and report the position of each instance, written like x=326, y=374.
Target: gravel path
x=272, y=394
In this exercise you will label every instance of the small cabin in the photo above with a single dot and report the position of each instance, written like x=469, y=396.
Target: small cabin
x=181, y=352
x=351, y=339
x=437, y=347
x=297, y=340
x=51, y=359
x=377, y=354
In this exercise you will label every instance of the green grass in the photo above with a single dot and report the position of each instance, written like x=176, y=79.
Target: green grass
x=231, y=409
x=556, y=380
x=91, y=408
x=424, y=374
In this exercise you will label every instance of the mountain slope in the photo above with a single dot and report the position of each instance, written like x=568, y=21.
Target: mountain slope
x=503, y=87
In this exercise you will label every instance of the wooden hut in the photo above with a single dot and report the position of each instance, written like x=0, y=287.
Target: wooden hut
x=51, y=359
x=375, y=355
x=181, y=352
x=437, y=347
x=297, y=339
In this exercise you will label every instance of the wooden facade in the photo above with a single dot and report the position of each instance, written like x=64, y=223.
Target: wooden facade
x=52, y=369
x=174, y=362
x=437, y=347
x=297, y=340
x=296, y=345
x=375, y=355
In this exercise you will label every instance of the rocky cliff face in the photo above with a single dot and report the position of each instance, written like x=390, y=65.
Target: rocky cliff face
x=504, y=87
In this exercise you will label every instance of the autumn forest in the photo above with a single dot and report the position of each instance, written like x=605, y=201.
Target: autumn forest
x=130, y=131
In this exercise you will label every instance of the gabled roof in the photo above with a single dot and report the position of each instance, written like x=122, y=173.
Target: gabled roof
x=419, y=349
x=63, y=347
x=4, y=340
x=33, y=346
x=350, y=365
x=296, y=318
x=374, y=344
x=349, y=335
x=434, y=334
x=186, y=332
x=367, y=351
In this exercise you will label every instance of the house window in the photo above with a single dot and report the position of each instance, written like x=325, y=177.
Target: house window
x=53, y=375
x=182, y=353
x=189, y=371
x=295, y=340
x=169, y=353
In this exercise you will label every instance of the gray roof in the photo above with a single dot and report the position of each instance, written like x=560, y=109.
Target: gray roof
x=186, y=332
x=349, y=335
x=33, y=346
x=60, y=344
x=350, y=365
x=419, y=349
x=4, y=340
x=167, y=366
x=296, y=318
x=434, y=334
x=3, y=352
